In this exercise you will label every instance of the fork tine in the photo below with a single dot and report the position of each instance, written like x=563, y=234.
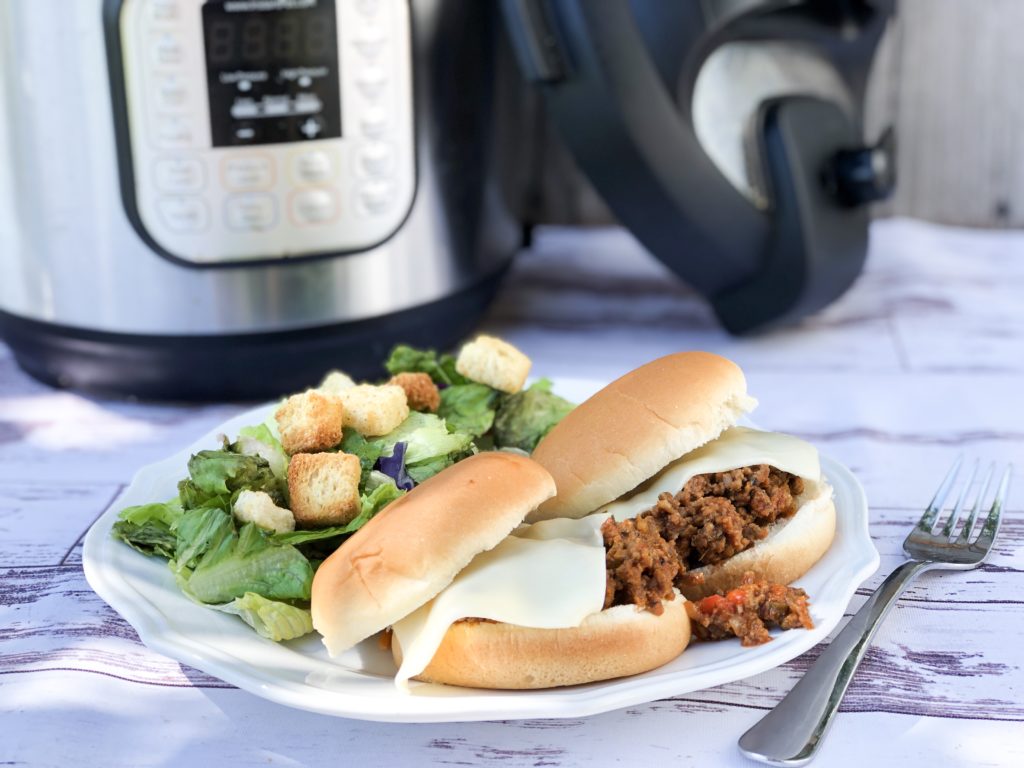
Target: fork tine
x=954, y=516
x=965, y=532
x=991, y=526
x=931, y=512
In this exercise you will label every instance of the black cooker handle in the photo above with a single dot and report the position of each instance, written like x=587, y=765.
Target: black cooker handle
x=609, y=100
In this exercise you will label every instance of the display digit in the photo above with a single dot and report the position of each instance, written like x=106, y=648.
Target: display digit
x=222, y=42
x=318, y=38
x=255, y=38
x=286, y=38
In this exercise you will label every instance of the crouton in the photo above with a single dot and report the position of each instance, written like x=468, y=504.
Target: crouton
x=324, y=488
x=373, y=411
x=257, y=507
x=420, y=391
x=495, y=363
x=334, y=383
x=310, y=421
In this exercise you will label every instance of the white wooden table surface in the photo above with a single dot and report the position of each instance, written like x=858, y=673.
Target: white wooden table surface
x=922, y=360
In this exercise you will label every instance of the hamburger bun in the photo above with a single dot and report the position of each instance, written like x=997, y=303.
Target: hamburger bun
x=619, y=641
x=416, y=545
x=637, y=425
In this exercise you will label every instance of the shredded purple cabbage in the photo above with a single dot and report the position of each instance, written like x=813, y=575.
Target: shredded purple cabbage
x=394, y=467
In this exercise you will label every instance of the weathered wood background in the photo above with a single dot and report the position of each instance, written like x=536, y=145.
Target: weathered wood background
x=922, y=360
x=948, y=77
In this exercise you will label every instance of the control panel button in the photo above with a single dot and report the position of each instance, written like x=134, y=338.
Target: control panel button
x=369, y=8
x=171, y=92
x=251, y=213
x=372, y=81
x=313, y=167
x=173, y=132
x=184, y=214
x=375, y=197
x=314, y=206
x=164, y=11
x=248, y=172
x=167, y=50
x=370, y=43
x=376, y=159
x=373, y=122
x=177, y=175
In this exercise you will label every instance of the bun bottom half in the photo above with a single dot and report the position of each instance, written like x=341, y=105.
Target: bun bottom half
x=787, y=553
x=619, y=641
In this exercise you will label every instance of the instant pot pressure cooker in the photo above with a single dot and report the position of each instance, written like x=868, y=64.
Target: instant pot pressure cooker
x=225, y=198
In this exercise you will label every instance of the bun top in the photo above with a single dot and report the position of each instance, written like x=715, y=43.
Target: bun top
x=636, y=426
x=416, y=545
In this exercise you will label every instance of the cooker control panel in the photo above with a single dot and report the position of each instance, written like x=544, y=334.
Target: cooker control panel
x=268, y=129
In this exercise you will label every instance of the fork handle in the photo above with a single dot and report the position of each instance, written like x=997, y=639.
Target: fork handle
x=792, y=732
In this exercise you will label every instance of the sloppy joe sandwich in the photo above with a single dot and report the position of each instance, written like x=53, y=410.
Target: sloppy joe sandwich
x=693, y=501
x=474, y=598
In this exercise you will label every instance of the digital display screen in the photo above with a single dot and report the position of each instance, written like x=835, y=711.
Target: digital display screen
x=272, y=68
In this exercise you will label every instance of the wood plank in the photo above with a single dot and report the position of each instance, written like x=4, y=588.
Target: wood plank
x=43, y=524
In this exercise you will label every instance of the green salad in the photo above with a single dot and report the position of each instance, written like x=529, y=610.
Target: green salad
x=259, y=565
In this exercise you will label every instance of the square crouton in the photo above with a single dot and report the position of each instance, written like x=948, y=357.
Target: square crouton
x=495, y=363
x=310, y=421
x=324, y=488
x=420, y=391
x=373, y=411
x=334, y=383
x=257, y=507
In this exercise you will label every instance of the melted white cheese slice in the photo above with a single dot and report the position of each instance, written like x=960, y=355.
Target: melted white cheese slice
x=736, y=447
x=548, y=575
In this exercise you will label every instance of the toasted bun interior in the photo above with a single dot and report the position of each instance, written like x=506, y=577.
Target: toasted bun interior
x=616, y=642
x=792, y=546
x=414, y=548
x=635, y=426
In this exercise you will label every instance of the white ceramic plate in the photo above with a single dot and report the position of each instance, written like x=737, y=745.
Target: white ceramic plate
x=359, y=683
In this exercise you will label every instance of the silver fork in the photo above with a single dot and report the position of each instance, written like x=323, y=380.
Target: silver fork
x=792, y=732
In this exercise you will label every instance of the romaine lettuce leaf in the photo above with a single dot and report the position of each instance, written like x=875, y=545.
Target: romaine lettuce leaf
x=248, y=561
x=405, y=359
x=272, y=619
x=198, y=531
x=468, y=408
x=368, y=451
x=426, y=437
x=525, y=417
x=148, y=528
x=260, y=441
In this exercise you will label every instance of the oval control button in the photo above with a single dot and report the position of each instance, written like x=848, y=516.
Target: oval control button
x=313, y=167
x=179, y=174
x=250, y=213
x=375, y=197
x=167, y=50
x=372, y=81
x=172, y=95
x=314, y=206
x=163, y=11
x=173, y=132
x=374, y=122
x=248, y=172
x=376, y=159
x=184, y=214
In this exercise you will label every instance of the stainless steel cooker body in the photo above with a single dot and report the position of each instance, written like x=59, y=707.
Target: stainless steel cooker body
x=130, y=237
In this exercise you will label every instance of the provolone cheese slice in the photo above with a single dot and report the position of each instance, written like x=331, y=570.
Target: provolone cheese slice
x=736, y=447
x=548, y=575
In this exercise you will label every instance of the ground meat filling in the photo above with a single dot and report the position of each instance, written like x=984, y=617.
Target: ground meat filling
x=748, y=611
x=712, y=518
